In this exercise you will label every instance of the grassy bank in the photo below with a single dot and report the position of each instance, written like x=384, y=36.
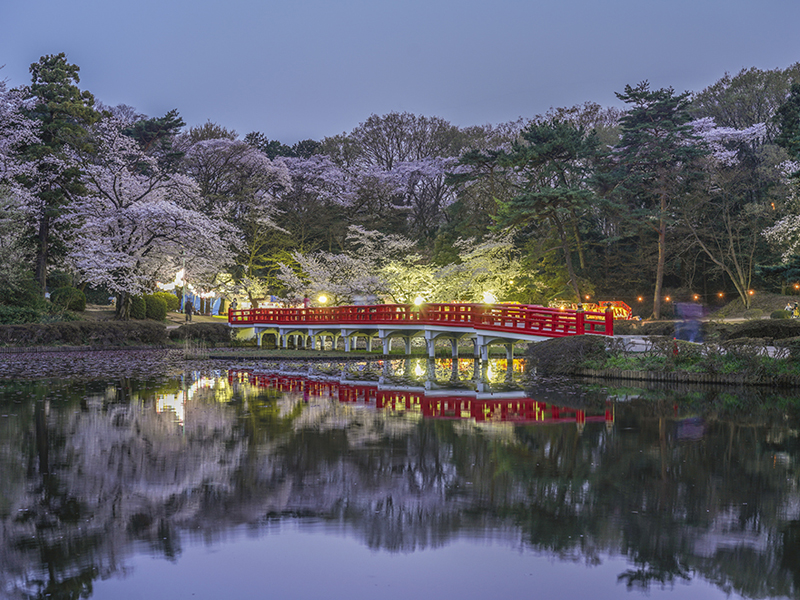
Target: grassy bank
x=752, y=361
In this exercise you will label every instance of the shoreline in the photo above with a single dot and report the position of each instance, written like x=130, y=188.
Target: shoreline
x=688, y=377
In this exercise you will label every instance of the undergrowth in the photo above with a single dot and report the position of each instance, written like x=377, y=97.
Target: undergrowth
x=753, y=359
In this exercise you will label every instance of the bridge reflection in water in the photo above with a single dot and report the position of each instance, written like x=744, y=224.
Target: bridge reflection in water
x=441, y=403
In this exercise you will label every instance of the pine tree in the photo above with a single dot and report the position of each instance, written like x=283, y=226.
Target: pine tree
x=656, y=162
x=63, y=113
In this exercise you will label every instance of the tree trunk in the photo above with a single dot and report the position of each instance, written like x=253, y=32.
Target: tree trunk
x=662, y=250
x=41, y=253
x=124, y=303
x=578, y=243
x=573, y=278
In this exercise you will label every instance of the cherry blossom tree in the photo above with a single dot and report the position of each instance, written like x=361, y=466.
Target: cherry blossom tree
x=368, y=269
x=484, y=269
x=241, y=185
x=725, y=218
x=386, y=266
x=136, y=223
x=16, y=132
x=784, y=235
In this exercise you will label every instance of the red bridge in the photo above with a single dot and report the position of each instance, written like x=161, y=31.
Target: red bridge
x=484, y=324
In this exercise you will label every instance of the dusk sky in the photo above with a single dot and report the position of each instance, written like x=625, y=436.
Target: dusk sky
x=313, y=68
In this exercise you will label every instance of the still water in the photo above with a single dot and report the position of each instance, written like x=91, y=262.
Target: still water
x=394, y=480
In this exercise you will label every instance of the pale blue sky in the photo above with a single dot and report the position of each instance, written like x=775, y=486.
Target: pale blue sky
x=312, y=68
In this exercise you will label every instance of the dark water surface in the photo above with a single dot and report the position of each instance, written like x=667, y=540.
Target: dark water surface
x=397, y=480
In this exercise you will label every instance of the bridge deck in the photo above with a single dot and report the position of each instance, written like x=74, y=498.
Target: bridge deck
x=507, y=320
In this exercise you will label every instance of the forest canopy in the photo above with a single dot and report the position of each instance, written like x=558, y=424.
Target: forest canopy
x=672, y=194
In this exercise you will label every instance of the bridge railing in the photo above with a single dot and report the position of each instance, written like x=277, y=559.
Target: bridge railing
x=519, y=318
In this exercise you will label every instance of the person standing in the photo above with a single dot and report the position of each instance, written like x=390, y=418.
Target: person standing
x=188, y=309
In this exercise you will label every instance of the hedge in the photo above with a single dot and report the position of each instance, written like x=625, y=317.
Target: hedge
x=80, y=333
x=212, y=333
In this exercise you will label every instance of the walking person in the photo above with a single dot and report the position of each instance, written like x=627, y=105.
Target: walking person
x=188, y=309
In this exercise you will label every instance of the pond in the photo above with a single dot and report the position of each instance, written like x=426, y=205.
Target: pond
x=394, y=479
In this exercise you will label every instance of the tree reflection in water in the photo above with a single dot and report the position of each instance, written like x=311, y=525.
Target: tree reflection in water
x=677, y=481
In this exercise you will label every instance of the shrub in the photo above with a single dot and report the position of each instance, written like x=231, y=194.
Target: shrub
x=753, y=313
x=173, y=302
x=773, y=329
x=155, y=307
x=644, y=328
x=790, y=345
x=564, y=355
x=212, y=333
x=18, y=314
x=68, y=298
x=780, y=314
x=25, y=294
x=138, y=308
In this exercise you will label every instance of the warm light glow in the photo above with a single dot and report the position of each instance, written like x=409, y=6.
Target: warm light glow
x=696, y=297
x=322, y=299
x=418, y=301
x=178, y=282
x=797, y=286
x=751, y=292
x=587, y=297
x=666, y=299
x=640, y=299
x=489, y=298
x=721, y=294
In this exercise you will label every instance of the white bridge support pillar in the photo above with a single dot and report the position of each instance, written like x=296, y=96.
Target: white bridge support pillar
x=482, y=346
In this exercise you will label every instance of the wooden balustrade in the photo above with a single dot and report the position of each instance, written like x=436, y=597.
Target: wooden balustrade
x=505, y=318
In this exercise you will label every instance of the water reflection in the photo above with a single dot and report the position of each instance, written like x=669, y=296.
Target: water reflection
x=668, y=486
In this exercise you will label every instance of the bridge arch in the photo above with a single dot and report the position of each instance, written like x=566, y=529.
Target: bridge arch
x=485, y=325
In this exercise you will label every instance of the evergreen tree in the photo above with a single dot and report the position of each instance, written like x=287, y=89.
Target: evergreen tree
x=655, y=163
x=551, y=162
x=788, y=119
x=62, y=112
x=156, y=137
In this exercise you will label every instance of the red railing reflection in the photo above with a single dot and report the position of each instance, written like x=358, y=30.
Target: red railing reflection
x=517, y=318
x=451, y=406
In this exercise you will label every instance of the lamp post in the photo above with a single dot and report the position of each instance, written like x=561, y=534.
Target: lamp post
x=183, y=287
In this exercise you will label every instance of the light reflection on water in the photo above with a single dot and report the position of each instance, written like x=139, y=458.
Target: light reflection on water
x=373, y=477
